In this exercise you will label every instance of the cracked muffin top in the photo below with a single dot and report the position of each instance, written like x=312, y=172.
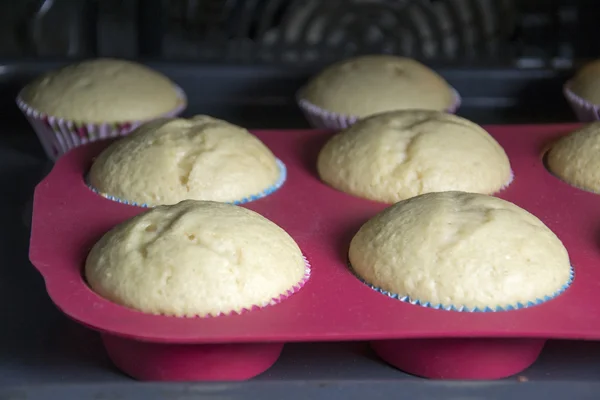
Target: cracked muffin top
x=103, y=90
x=393, y=156
x=461, y=250
x=170, y=160
x=195, y=258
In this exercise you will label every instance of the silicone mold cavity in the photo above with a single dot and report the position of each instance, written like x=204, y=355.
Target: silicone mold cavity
x=473, y=359
x=190, y=362
x=333, y=305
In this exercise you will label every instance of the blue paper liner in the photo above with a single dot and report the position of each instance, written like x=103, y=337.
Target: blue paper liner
x=518, y=306
x=270, y=190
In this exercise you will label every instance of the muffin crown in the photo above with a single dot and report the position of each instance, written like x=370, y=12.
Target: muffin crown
x=169, y=160
x=195, y=258
x=368, y=85
x=400, y=154
x=462, y=250
x=102, y=90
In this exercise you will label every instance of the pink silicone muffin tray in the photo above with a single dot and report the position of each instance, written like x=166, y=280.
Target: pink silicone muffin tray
x=334, y=305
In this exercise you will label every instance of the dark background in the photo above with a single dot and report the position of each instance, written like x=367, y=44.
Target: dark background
x=520, y=33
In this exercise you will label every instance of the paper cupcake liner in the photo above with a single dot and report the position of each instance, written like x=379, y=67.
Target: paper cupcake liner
x=583, y=109
x=462, y=308
x=320, y=118
x=270, y=190
x=59, y=135
x=508, y=183
x=274, y=301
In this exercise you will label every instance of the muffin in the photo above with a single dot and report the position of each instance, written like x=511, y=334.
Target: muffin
x=400, y=154
x=461, y=251
x=359, y=87
x=574, y=158
x=96, y=99
x=196, y=258
x=202, y=158
x=583, y=92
